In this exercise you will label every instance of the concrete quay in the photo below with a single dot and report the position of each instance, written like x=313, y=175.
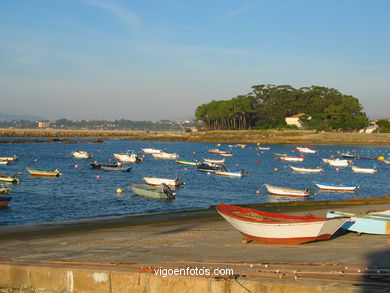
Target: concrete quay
x=193, y=251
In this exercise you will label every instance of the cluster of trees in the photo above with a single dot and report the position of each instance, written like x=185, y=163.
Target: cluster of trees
x=383, y=126
x=267, y=106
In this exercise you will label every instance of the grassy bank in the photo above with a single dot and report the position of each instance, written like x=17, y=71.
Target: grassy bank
x=233, y=136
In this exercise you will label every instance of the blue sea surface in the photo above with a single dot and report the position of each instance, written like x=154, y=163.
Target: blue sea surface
x=83, y=192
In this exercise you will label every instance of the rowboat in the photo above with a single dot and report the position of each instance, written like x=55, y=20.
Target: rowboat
x=306, y=170
x=364, y=170
x=128, y=158
x=157, y=192
x=369, y=223
x=292, y=159
x=264, y=148
x=4, y=201
x=9, y=178
x=336, y=187
x=306, y=150
x=215, y=161
x=5, y=189
x=287, y=191
x=55, y=173
x=81, y=154
x=337, y=162
x=218, y=151
x=158, y=181
x=209, y=167
x=13, y=158
x=272, y=228
x=151, y=151
x=187, y=162
x=240, y=173
x=164, y=155
x=97, y=165
x=117, y=168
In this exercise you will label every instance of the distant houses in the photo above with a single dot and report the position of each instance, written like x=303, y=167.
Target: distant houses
x=43, y=124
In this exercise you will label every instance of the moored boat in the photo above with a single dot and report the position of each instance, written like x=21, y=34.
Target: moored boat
x=157, y=192
x=128, y=158
x=239, y=173
x=292, y=158
x=226, y=155
x=306, y=170
x=349, y=156
x=209, y=167
x=55, y=173
x=9, y=178
x=164, y=155
x=272, y=228
x=97, y=165
x=336, y=187
x=337, y=162
x=356, y=169
x=81, y=154
x=4, y=189
x=151, y=151
x=4, y=201
x=215, y=161
x=4, y=162
x=306, y=150
x=187, y=162
x=13, y=158
x=156, y=181
x=287, y=191
x=117, y=168
x=218, y=151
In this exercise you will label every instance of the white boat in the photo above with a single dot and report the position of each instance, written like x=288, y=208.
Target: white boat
x=226, y=155
x=356, y=169
x=272, y=228
x=264, y=148
x=336, y=187
x=151, y=151
x=213, y=161
x=81, y=154
x=158, y=181
x=306, y=150
x=5, y=162
x=306, y=170
x=292, y=159
x=386, y=162
x=240, y=173
x=128, y=158
x=337, y=162
x=164, y=155
x=13, y=158
x=218, y=151
x=287, y=191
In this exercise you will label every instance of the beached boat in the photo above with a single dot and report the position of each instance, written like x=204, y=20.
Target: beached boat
x=13, y=158
x=337, y=162
x=209, y=167
x=272, y=228
x=151, y=151
x=128, y=158
x=55, y=173
x=164, y=155
x=215, y=161
x=292, y=159
x=306, y=150
x=4, y=201
x=156, y=181
x=356, y=169
x=4, y=189
x=9, y=178
x=239, y=173
x=187, y=162
x=306, y=170
x=369, y=223
x=336, y=187
x=157, y=192
x=218, y=151
x=81, y=154
x=287, y=191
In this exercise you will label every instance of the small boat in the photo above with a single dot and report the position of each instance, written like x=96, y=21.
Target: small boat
x=386, y=162
x=210, y=167
x=13, y=158
x=128, y=158
x=97, y=165
x=337, y=162
x=336, y=187
x=240, y=173
x=9, y=178
x=349, y=156
x=81, y=154
x=4, y=201
x=151, y=151
x=158, y=181
x=214, y=161
x=227, y=155
x=292, y=159
x=55, y=173
x=4, y=162
x=306, y=170
x=356, y=169
x=306, y=150
x=272, y=228
x=280, y=154
x=218, y=151
x=264, y=148
x=287, y=191
x=4, y=189
x=117, y=168
x=187, y=162
x=157, y=192
x=164, y=155
x=369, y=223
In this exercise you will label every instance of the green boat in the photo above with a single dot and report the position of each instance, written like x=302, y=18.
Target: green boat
x=150, y=191
x=187, y=162
x=55, y=173
x=9, y=178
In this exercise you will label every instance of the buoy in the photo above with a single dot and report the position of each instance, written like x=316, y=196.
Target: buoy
x=337, y=169
x=257, y=191
x=276, y=169
x=236, y=165
x=76, y=166
x=97, y=176
x=219, y=144
x=332, y=156
x=257, y=162
x=208, y=173
x=119, y=190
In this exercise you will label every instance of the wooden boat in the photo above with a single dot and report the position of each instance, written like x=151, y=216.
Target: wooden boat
x=240, y=173
x=272, y=228
x=117, y=168
x=4, y=201
x=369, y=223
x=209, y=167
x=151, y=151
x=337, y=162
x=164, y=155
x=5, y=189
x=13, y=158
x=9, y=178
x=218, y=151
x=336, y=187
x=187, y=162
x=287, y=191
x=55, y=173
x=215, y=161
x=81, y=154
x=157, y=192
x=306, y=150
x=158, y=181
x=128, y=158
x=356, y=169
x=306, y=170
x=292, y=159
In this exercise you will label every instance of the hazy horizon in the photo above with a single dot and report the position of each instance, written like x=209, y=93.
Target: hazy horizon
x=154, y=60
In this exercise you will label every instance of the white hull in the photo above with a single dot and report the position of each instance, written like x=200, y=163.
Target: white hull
x=158, y=181
x=306, y=170
x=163, y=155
x=364, y=170
x=287, y=191
x=337, y=162
x=127, y=158
x=151, y=151
x=222, y=161
x=292, y=159
x=336, y=187
x=81, y=155
x=306, y=150
x=229, y=174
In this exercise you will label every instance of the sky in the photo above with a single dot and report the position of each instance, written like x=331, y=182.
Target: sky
x=161, y=59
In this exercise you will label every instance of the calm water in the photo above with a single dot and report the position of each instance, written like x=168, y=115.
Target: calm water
x=80, y=194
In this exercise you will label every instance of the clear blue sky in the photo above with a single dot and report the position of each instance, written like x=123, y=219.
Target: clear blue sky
x=151, y=60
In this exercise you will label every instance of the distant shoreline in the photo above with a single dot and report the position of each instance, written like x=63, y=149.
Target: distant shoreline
x=227, y=136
